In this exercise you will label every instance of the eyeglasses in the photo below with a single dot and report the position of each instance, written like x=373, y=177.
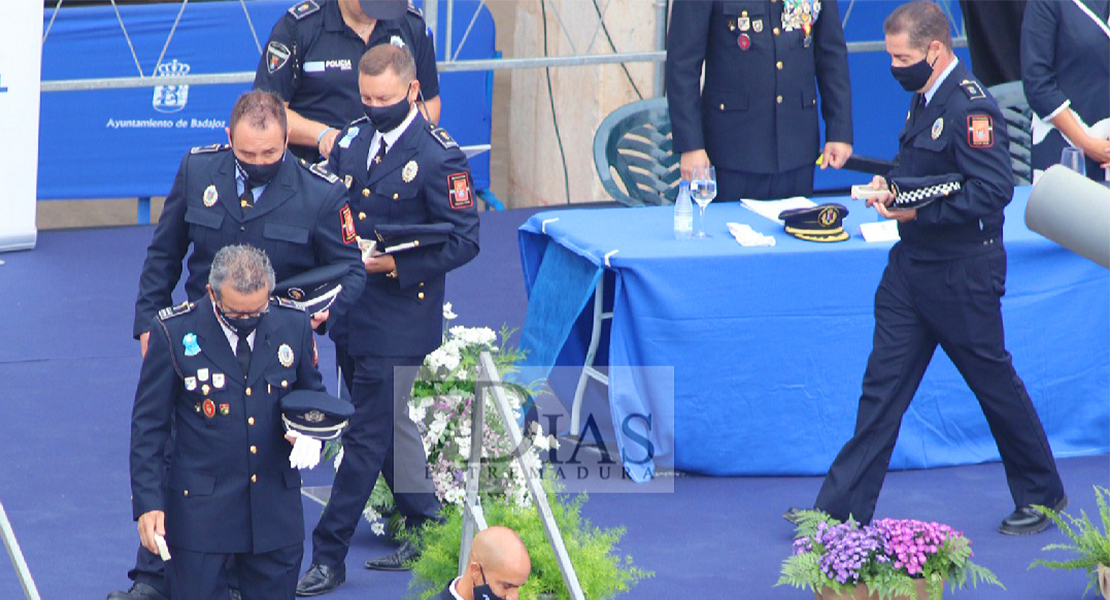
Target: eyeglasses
x=237, y=316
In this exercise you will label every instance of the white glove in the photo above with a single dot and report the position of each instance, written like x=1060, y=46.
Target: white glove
x=306, y=451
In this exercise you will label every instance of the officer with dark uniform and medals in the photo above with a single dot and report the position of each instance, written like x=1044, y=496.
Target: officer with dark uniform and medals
x=412, y=195
x=1065, y=69
x=214, y=375
x=252, y=192
x=311, y=60
x=945, y=279
x=755, y=120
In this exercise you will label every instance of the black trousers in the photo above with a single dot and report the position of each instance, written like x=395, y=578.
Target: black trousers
x=379, y=389
x=734, y=185
x=956, y=304
x=263, y=576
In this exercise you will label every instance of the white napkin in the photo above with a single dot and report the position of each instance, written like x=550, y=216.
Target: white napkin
x=749, y=237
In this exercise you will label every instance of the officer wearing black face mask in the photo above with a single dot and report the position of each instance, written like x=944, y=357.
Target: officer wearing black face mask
x=311, y=61
x=215, y=376
x=497, y=567
x=411, y=192
x=252, y=192
x=945, y=279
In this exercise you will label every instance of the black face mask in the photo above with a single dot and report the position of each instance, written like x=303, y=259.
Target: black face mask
x=243, y=326
x=260, y=174
x=915, y=76
x=388, y=118
x=484, y=591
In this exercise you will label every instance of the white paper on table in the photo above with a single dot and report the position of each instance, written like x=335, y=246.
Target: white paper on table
x=882, y=231
x=770, y=209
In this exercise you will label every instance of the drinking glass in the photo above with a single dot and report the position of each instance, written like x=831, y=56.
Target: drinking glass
x=703, y=188
x=1073, y=159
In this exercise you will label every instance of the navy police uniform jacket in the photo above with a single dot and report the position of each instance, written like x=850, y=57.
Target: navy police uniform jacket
x=301, y=221
x=424, y=178
x=229, y=487
x=311, y=60
x=961, y=132
x=1065, y=63
x=758, y=110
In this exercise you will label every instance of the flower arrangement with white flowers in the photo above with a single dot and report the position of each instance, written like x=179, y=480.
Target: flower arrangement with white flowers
x=440, y=405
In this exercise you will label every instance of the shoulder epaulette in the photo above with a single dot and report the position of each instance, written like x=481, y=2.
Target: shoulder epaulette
x=303, y=9
x=211, y=148
x=440, y=134
x=175, y=311
x=973, y=90
x=415, y=11
x=322, y=173
x=287, y=303
x=362, y=119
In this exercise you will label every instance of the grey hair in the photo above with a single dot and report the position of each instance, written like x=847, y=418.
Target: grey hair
x=245, y=268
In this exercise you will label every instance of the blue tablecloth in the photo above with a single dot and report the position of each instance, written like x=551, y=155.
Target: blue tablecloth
x=769, y=344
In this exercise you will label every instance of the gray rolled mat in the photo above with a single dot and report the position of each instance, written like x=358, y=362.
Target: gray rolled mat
x=1072, y=211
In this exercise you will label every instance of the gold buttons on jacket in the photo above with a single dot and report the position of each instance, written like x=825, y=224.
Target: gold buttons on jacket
x=186, y=493
x=284, y=383
x=248, y=391
x=250, y=421
x=420, y=296
x=778, y=99
x=254, y=478
x=396, y=196
x=361, y=216
x=778, y=65
x=365, y=192
x=775, y=31
x=254, y=449
x=416, y=243
x=722, y=106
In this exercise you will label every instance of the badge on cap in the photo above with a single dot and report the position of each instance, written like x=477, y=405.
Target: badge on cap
x=285, y=355
x=938, y=128
x=409, y=172
x=210, y=196
x=190, y=383
x=218, y=381
x=757, y=25
x=743, y=23
x=209, y=408
x=202, y=374
x=744, y=41
x=192, y=348
x=225, y=409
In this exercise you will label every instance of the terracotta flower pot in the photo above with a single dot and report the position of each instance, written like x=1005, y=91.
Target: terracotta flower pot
x=1104, y=580
x=860, y=592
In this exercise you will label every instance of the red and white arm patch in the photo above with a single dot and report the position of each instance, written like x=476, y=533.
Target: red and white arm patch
x=980, y=131
x=347, y=223
x=460, y=190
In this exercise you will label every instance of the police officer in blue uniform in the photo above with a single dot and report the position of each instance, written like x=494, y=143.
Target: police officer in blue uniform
x=755, y=120
x=1065, y=69
x=311, y=61
x=411, y=192
x=298, y=214
x=215, y=373
x=945, y=279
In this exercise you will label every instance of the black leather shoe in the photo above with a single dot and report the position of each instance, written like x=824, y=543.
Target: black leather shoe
x=407, y=553
x=793, y=515
x=1027, y=520
x=321, y=579
x=139, y=591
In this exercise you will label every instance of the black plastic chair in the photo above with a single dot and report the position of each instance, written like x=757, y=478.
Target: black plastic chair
x=1011, y=99
x=632, y=153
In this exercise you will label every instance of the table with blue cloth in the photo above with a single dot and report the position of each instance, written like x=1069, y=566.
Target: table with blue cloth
x=768, y=344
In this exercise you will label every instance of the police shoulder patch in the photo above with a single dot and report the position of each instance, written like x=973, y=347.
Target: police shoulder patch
x=318, y=170
x=209, y=148
x=303, y=9
x=973, y=90
x=287, y=303
x=440, y=134
x=174, y=311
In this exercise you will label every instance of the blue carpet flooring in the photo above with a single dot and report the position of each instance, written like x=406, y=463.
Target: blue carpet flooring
x=68, y=368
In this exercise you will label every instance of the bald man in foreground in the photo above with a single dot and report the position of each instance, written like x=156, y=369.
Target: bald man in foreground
x=496, y=569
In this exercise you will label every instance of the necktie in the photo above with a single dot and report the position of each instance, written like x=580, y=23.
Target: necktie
x=378, y=157
x=246, y=200
x=243, y=353
x=918, y=105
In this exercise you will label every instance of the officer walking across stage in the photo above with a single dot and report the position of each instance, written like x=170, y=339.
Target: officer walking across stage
x=755, y=119
x=945, y=279
x=251, y=192
x=214, y=374
x=411, y=192
x=311, y=61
